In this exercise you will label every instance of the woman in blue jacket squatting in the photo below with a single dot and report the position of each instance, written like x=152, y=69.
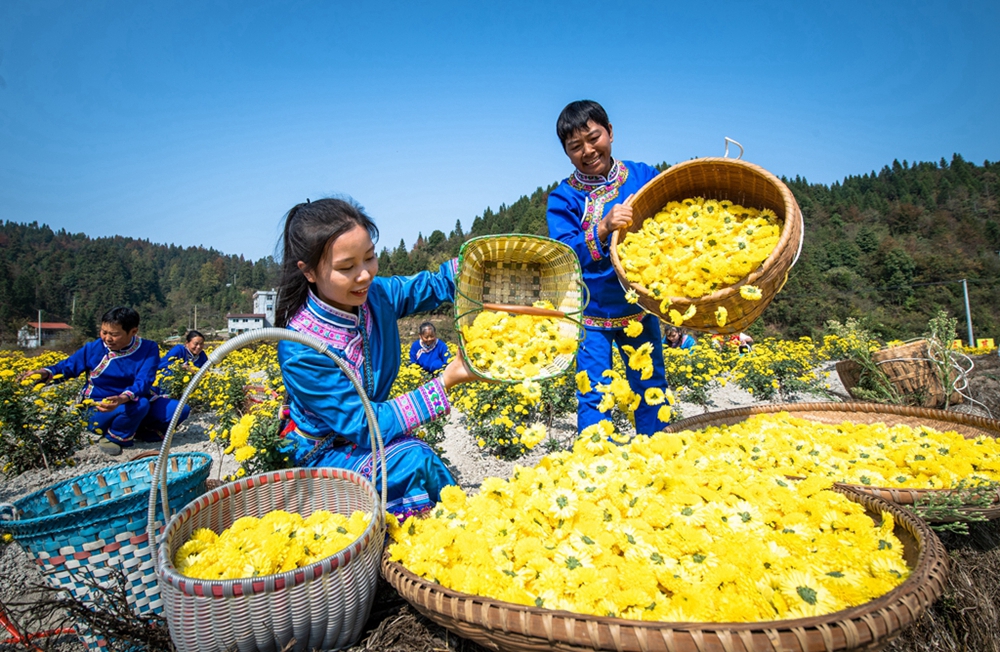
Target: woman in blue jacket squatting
x=161, y=406
x=583, y=211
x=121, y=368
x=329, y=290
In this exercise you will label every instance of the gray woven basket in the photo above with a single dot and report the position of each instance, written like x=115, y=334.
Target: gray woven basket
x=321, y=606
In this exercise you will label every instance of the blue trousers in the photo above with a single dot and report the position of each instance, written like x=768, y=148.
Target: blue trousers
x=120, y=424
x=594, y=357
x=161, y=411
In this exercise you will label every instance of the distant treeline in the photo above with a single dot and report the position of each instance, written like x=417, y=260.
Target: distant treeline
x=888, y=246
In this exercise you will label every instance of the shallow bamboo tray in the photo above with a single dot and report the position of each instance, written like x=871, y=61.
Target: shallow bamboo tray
x=511, y=627
x=742, y=183
x=967, y=425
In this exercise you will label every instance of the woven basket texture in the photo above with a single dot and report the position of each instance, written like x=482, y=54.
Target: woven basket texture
x=909, y=368
x=322, y=606
x=89, y=529
x=967, y=425
x=742, y=183
x=511, y=627
x=519, y=270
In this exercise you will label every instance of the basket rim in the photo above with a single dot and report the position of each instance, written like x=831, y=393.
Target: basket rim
x=264, y=584
x=991, y=427
x=173, y=477
x=728, y=291
x=931, y=556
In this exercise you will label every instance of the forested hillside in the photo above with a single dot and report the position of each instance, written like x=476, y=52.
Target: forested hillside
x=890, y=245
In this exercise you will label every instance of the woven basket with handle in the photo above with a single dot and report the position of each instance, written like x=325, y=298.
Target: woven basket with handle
x=511, y=627
x=909, y=368
x=741, y=183
x=519, y=270
x=967, y=425
x=320, y=606
x=90, y=531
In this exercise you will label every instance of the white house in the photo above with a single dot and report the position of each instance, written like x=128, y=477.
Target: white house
x=240, y=323
x=263, y=304
x=51, y=331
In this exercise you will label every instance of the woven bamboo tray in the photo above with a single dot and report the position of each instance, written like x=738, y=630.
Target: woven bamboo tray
x=909, y=368
x=967, y=425
x=742, y=183
x=519, y=270
x=511, y=627
x=321, y=606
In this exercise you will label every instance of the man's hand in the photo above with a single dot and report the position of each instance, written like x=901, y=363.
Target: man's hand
x=111, y=402
x=619, y=216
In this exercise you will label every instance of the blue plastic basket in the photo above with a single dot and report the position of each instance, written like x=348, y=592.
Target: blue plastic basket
x=90, y=529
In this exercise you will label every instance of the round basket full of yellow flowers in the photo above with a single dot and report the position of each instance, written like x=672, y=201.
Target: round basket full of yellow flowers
x=518, y=301
x=711, y=243
x=665, y=545
x=285, y=560
x=946, y=464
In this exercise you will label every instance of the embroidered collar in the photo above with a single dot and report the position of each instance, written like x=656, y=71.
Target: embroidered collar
x=132, y=347
x=585, y=182
x=330, y=314
x=106, y=361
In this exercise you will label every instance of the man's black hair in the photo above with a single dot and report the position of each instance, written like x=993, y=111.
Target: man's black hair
x=576, y=115
x=124, y=316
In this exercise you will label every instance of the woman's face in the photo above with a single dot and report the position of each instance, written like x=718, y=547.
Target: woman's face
x=345, y=271
x=428, y=338
x=195, y=345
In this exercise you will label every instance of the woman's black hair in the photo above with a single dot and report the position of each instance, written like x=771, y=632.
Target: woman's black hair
x=193, y=334
x=576, y=115
x=427, y=326
x=309, y=230
x=124, y=316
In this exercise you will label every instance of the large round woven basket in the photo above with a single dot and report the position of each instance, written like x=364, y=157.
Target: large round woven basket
x=909, y=368
x=519, y=270
x=90, y=531
x=739, y=182
x=967, y=425
x=512, y=627
x=320, y=606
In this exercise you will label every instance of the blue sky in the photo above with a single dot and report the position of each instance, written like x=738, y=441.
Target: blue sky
x=201, y=123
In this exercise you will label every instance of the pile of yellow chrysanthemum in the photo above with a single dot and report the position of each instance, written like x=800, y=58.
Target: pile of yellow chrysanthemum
x=870, y=454
x=694, y=247
x=661, y=529
x=515, y=347
x=277, y=542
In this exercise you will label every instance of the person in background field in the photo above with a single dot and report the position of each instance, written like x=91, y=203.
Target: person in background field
x=330, y=290
x=582, y=212
x=162, y=407
x=430, y=353
x=674, y=338
x=121, y=369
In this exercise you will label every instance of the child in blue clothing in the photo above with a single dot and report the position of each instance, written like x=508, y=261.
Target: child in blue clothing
x=121, y=369
x=428, y=352
x=161, y=406
x=583, y=211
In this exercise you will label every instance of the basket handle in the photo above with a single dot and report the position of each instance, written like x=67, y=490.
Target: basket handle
x=238, y=342
x=730, y=140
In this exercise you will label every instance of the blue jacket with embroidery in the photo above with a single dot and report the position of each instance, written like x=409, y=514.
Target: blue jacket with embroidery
x=429, y=361
x=130, y=371
x=575, y=208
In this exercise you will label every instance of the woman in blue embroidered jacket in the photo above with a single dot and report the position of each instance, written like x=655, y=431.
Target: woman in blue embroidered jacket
x=121, y=368
x=161, y=406
x=583, y=211
x=329, y=290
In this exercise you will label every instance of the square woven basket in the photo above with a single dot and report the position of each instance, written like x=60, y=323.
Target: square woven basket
x=520, y=270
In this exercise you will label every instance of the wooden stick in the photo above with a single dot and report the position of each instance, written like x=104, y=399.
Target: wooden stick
x=524, y=310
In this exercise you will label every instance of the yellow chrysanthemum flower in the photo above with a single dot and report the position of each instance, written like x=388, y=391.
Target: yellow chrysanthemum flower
x=750, y=292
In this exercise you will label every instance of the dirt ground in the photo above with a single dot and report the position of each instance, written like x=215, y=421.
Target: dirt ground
x=967, y=619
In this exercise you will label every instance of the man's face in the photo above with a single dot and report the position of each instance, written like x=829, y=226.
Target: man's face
x=115, y=337
x=589, y=149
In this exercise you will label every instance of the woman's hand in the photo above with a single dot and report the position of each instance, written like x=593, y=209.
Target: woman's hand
x=45, y=374
x=457, y=372
x=111, y=402
x=619, y=216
